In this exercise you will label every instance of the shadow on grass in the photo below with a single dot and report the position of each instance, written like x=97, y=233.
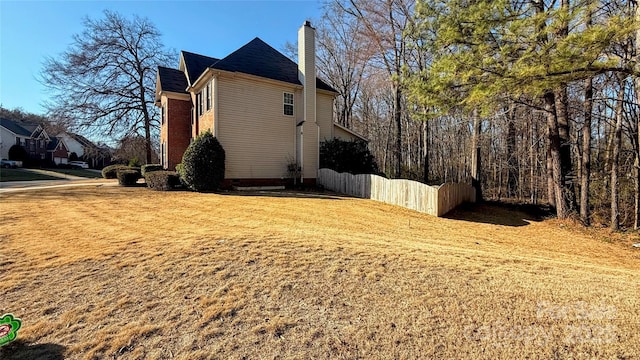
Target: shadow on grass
x=21, y=350
x=296, y=194
x=497, y=213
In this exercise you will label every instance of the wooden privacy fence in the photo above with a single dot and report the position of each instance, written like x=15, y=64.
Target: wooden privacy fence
x=433, y=200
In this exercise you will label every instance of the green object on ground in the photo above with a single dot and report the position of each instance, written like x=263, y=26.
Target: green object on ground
x=9, y=326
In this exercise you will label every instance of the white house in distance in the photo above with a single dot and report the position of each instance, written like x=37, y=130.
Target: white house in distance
x=266, y=110
x=32, y=137
x=42, y=148
x=97, y=156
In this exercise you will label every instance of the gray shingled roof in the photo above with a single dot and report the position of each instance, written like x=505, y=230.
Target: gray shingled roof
x=18, y=128
x=53, y=144
x=255, y=58
x=196, y=64
x=260, y=59
x=172, y=80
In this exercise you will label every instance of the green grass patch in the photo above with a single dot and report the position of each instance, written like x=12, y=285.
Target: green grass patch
x=23, y=175
x=78, y=172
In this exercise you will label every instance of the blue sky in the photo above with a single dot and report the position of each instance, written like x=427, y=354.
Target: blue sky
x=33, y=30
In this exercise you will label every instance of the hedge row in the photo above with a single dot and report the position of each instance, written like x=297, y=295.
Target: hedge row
x=353, y=157
x=202, y=168
x=111, y=171
x=128, y=177
x=162, y=180
x=144, y=169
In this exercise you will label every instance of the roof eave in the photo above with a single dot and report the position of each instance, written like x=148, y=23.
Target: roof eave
x=217, y=72
x=350, y=132
x=11, y=131
x=328, y=92
x=200, y=78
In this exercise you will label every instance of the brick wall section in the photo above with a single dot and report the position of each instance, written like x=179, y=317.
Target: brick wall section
x=61, y=152
x=178, y=130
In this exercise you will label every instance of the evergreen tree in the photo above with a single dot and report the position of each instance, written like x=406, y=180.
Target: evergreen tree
x=487, y=53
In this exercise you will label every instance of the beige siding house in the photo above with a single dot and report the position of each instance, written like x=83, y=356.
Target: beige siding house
x=265, y=110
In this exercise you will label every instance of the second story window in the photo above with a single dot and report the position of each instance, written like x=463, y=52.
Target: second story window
x=208, y=96
x=288, y=103
x=200, y=104
x=164, y=113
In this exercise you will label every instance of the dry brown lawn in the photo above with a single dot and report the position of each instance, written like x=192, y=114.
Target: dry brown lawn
x=109, y=272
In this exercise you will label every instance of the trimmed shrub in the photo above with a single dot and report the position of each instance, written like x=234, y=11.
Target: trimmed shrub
x=127, y=177
x=149, y=168
x=202, y=167
x=352, y=157
x=111, y=171
x=162, y=180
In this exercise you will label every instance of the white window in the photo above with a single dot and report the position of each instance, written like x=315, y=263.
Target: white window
x=288, y=103
x=209, y=96
x=200, y=104
x=164, y=113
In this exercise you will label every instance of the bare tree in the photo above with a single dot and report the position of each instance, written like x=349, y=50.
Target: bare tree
x=340, y=59
x=585, y=171
x=615, y=161
x=104, y=83
x=131, y=149
x=383, y=24
x=636, y=222
x=476, y=164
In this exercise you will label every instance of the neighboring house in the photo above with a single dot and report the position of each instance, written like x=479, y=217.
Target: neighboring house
x=97, y=156
x=32, y=137
x=40, y=146
x=265, y=110
x=58, y=152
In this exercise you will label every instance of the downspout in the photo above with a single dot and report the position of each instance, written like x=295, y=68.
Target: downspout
x=300, y=150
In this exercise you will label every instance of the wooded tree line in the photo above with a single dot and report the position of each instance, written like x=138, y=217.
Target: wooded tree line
x=532, y=100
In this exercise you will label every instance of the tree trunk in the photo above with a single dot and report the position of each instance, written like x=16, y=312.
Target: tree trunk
x=567, y=176
x=475, y=155
x=512, y=160
x=562, y=209
x=585, y=163
x=398, y=118
x=533, y=156
x=615, y=158
x=425, y=151
x=636, y=223
x=551, y=191
x=147, y=134
x=585, y=171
